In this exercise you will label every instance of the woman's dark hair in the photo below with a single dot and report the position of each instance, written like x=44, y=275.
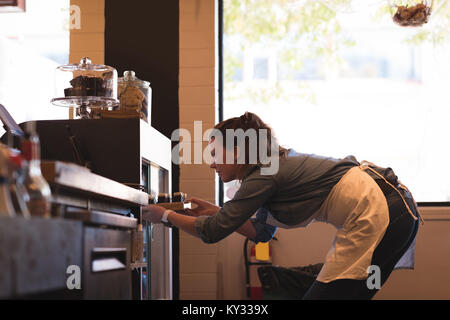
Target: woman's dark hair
x=245, y=122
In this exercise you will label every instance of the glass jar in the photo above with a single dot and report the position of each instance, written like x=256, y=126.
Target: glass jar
x=135, y=95
x=86, y=85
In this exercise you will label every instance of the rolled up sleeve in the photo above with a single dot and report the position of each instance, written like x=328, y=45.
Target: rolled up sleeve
x=255, y=190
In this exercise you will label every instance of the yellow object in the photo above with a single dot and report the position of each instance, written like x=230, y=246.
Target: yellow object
x=262, y=251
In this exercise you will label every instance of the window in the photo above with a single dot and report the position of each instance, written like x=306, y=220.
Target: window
x=260, y=68
x=347, y=82
x=32, y=44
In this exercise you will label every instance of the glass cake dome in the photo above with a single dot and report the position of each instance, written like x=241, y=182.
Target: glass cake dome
x=86, y=85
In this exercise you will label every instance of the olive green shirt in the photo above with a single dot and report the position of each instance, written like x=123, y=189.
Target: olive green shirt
x=291, y=195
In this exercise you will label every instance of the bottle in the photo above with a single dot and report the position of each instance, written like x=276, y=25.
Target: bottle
x=6, y=204
x=19, y=194
x=35, y=184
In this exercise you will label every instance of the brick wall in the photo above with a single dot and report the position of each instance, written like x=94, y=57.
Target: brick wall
x=89, y=40
x=199, y=276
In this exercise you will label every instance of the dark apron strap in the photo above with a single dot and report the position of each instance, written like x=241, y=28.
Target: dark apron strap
x=367, y=166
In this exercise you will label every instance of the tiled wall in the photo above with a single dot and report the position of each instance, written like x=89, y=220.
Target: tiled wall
x=197, y=98
x=89, y=40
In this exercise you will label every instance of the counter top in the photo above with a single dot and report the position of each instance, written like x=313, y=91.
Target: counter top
x=81, y=179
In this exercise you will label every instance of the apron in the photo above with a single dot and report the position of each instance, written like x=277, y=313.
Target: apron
x=358, y=209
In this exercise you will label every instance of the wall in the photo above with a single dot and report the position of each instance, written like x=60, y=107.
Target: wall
x=199, y=272
x=89, y=40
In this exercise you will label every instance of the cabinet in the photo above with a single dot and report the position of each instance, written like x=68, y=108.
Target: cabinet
x=133, y=154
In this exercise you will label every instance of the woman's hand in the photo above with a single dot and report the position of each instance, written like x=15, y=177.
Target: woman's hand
x=204, y=208
x=153, y=213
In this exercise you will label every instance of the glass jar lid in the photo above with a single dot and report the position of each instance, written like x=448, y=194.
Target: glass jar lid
x=85, y=65
x=129, y=79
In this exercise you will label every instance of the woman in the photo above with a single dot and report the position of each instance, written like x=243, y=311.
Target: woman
x=375, y=216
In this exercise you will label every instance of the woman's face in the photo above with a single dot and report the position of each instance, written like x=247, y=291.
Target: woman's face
x=226, y=171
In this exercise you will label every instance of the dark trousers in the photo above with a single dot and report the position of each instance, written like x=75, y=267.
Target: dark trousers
x=399, y=235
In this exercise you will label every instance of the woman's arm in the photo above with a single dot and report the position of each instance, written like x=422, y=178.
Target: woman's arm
x=247, y=230
x=182, y=222
x=186, y=223
x=205, y=208
x=153, y=213
x=255, y=192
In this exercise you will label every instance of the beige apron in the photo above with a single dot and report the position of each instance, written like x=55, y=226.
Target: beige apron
x=357, y=207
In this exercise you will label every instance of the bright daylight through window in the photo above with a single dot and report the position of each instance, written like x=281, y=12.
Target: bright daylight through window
x=32, y=44
x=339, y=78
